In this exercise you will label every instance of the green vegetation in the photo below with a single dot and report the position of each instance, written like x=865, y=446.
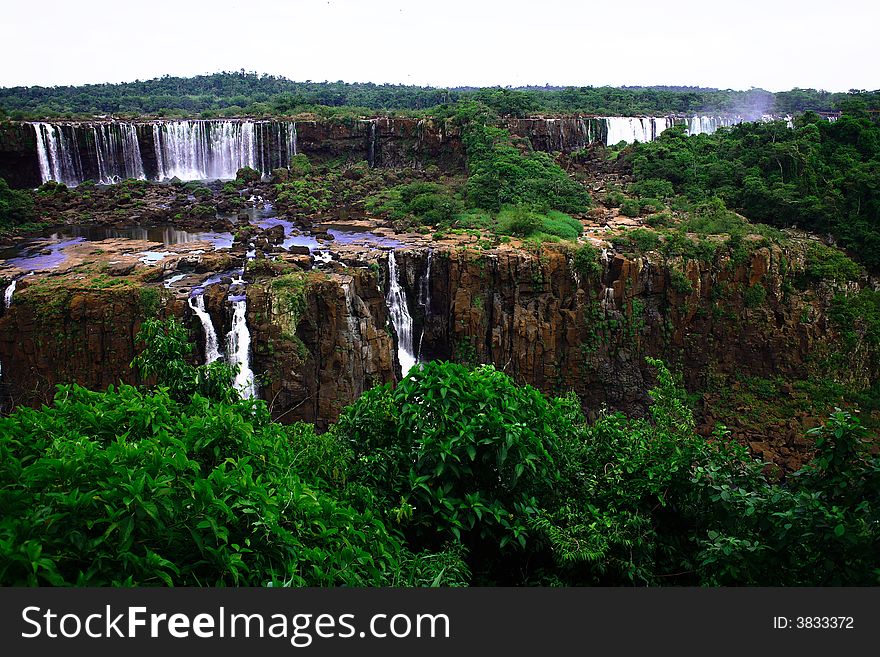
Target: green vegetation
x=818, y=176
x=456, y=477
x=422, y=203
x=586, y=260
x=240, y=93
x=16, y=207
x=500, y=173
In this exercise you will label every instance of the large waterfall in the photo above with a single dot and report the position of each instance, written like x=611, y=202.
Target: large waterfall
x=238, y=348
x=189, y=150
x=706, y=125
x=59, y=158
x=212, y=351
x=633, y=128
x=400, y=317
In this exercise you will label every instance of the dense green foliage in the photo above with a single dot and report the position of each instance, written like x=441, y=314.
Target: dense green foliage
x=456, y=476
x=819, y=176
x=16, y=207
x=501, y=173
x=239, y=93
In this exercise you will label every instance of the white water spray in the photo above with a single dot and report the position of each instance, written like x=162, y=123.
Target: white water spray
x=7, y=295
x=212, y=350
x=400, y=317
x=238, y=349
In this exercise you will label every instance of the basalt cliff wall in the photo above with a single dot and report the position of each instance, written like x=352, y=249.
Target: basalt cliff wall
x=531, y=315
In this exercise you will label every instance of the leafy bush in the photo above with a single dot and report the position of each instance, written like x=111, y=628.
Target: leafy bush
x=467, y=450
x=825, y=263
x=247, y=175
x=630, y=208
x=653, y=188
x=679, y=282
x=132, y=488
x=639, y=240
x=501, y=174
x=586, y=261
x=300, y=165
x=754, y=295
x=16, y=207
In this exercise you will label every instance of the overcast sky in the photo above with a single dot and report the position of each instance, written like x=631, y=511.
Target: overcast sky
x=774, y=44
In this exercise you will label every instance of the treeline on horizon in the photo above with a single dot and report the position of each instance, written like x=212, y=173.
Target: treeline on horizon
x=240, y=93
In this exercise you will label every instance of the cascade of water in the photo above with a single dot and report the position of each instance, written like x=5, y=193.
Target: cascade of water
x=117, y=152
x=212, y=351
x=202, y=150
x=371, y=154
x=706, y=125
x=131, y=152
x=400, y=317
x=42, y=153
x=57, y=160
x=351, y=317
x=7, y=295
x=238, y=348
x=607, y=304
x=291, y=136
x=425, y=301
x=630, y=129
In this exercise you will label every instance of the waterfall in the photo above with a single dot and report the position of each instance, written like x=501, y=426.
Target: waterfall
x=188, y=149
x=607, y=304
x=212, y=352
x=633, y=128
x=238, y=348
x=7, y=295
x=400, y=317
x=371, y=154
x=425, y=301
x=706, y=125
x=58, y=161
x=351, y=317
x=117, y=152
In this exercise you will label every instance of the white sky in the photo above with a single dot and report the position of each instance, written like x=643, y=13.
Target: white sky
x=774, y=44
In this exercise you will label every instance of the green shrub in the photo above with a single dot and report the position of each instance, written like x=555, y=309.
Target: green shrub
x=639, y=240
x=16, y=207
x=630, y=208
x=247, y=175
x=468, y=450
x=679, y=282
x=519, y=221
x=754, y=295
x=586, y=261
x=653, y=188
x=300, y=165
x=825, y=263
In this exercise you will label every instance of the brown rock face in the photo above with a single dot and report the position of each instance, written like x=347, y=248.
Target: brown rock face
x=531, y=315
x=339, y=347
x=537, y=319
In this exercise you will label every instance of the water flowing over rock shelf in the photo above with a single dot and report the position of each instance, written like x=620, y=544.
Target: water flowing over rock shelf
x=211, y=149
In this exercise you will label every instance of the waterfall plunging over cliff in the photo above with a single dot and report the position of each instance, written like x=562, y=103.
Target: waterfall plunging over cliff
x=108, y=152
x=706, y=125
x=632, y=129
x=58, y=160
x=118, y=152
x=400, y=317
x=203, y=150
x=212, y=351
x=425, y=301
x=238, y=348
x=7, y=294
